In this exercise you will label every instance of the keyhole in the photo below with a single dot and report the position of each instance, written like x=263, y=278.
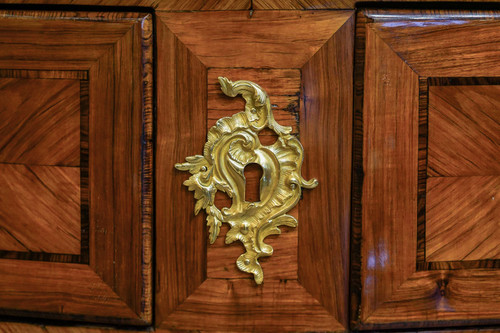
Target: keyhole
x=253, y=174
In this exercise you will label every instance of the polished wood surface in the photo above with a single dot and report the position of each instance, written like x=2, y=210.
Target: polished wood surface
x=462, y=164
x=97, y=66
x=175, y=5
x=411, y=230
x=251, y=41
x=464, y=130
x=390, y=129
x=198, y=285
x=283, y=89
x=302, y=4
x=239, y=305
x=215, y=5
x=40, y=200
x=462, y=218
x=326, y=132
x=40, y=121
x=15, y=327
x=181, y=237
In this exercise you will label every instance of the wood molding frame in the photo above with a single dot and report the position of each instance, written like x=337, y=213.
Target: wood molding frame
x=114, y=51
x=398, y=54
x=193, y=294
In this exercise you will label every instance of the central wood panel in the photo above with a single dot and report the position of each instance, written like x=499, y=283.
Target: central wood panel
x=303, y=60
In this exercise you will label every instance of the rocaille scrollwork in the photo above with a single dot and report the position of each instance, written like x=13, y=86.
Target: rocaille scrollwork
x=232, y=144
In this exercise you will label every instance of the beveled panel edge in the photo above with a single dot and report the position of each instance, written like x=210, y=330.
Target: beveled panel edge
x=365, y=16
x=145, y=89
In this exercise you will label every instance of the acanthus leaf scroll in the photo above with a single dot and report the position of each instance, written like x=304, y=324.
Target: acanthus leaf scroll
x=232, y=144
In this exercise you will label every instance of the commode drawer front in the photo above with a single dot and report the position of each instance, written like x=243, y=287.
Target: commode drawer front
x=427, y=169
x=75, y=154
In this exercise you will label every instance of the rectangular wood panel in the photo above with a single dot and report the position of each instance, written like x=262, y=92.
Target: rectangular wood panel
x=199, y=286
x=425, y=218
x=77, y=155
x=462, y=218
x=45, y=117
x=40, y=121
x=464, y=130
x=40, y=208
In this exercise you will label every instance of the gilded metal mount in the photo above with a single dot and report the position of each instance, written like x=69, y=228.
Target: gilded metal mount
x=232, y=144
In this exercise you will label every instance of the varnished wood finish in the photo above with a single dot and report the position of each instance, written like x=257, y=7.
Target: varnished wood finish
x=181, y=237
x=321, y=4
x=251, y=42
x=463, y=148
x=414, y=85
x=40, y=121
x=105, y=59
x=15, y=327
x=326, y=132
x=308, y=78
x=390, y=129
x=302, y=4
x=174, y=5
x=40, y=200
x=464, y=130
x=462, y=218
x=238, y=305
x=45, y=117
x=212, y=5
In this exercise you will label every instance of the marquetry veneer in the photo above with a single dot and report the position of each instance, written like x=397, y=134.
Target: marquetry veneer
x=75, y=165
x=304, y=62
x=426, y=212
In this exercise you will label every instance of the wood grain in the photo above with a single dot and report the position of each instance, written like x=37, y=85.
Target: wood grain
x=281, y=85
x=40, y=121
x=232, y=39
x=17, y=327
x=40, y=208
x=437, y=49
x=181, y=236
x=175, y=5
x=390, y=130
x=198, y=4
x=198, y=285
x=275, y=305
x=113, y=49
x=392, y=288
x=204, y=5
x=326, y=134
x=63, y=290
x=282, y=265
x=302, y=4
x=325, y=4
x=464, y=130
x=463, y=218
x=445, y=297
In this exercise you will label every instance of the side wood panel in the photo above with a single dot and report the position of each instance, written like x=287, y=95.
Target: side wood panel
x=106, y=60
x=198, y=285
x=416, y=225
